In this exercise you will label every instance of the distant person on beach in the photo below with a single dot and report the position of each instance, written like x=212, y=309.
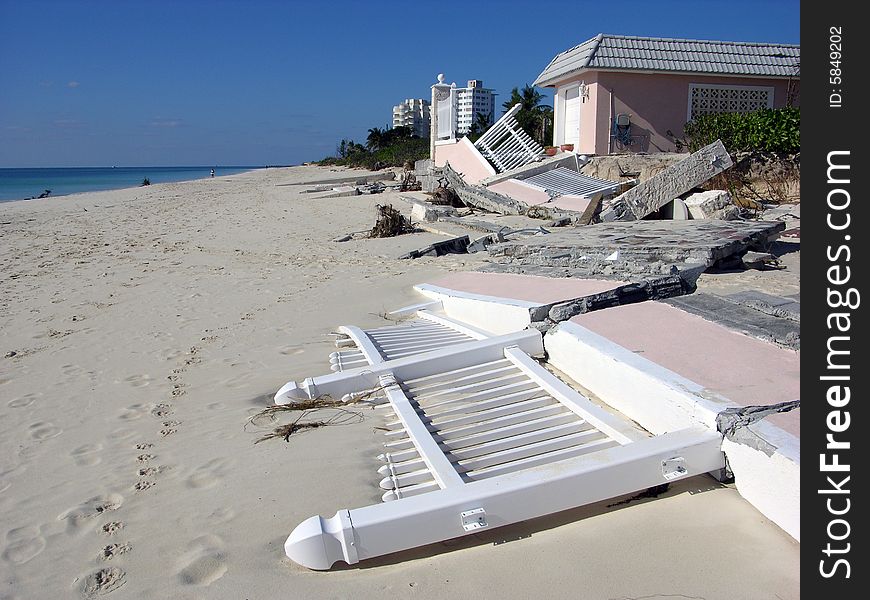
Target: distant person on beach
x=212, y=172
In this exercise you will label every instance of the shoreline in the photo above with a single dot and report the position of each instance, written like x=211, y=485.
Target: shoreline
x=145, y=334
x=110, y=169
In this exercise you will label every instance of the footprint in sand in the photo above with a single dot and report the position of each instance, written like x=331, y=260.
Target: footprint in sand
x=112, y=527
x=114, y=550
x=204, y=563
x=43, y=431
x=21, y=402
x=239, y=381
x=209, y=474
x=86, y=455
x=89, y=509
x=133, y=412
x=103, y=582
x=292, y=350
x=122, y=434
x=162, y=410
x=143, y=485
x=221, y=515
x=23, y=543
x=138, y=381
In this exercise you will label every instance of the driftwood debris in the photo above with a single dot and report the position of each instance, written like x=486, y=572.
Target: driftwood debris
x=390, y=223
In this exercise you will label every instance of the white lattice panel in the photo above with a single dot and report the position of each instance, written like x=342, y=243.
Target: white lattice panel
x=709, y=99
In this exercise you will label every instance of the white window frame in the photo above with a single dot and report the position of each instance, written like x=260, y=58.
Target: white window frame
x=693, y=86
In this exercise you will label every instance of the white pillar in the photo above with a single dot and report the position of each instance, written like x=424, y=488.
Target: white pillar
x=442, y=114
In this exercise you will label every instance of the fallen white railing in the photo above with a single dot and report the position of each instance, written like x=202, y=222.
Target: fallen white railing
x=478, y=434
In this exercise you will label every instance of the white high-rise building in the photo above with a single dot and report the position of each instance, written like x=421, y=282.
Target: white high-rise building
x=413, y=113
x=471, y=101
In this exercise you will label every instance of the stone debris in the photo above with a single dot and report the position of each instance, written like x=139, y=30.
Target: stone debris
x=653, y=288
x=734, y=314
x=674, y=181
x=457, y=245
x=351, y=179
x=705, y=205
x=777, y=306
x=427, y=212
x=735, y=423
x=643, y=247
x=480, y=197
x=759, y=260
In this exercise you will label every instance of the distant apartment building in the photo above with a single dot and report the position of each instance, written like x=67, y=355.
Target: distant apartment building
x=413, y=113
x=471, y=101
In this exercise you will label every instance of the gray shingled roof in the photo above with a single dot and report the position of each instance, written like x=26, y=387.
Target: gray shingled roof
x=677, y=56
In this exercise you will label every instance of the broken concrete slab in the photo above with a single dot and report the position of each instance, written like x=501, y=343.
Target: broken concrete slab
x=458, y=245
x=342, y=191
x=643, y=247
x=348, y=178
x=566, y=159
x=787, y=307
x=423, y=211
x=724, y=311
x=423, y=167
x=653, y=288
x=704, y=205
x=480, y=197
x=649, y=196
x=759, y=260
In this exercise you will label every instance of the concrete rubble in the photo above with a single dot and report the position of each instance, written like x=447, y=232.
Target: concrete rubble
x=705, y=205
x=457, y=245
x=755, y=315
x=639, y=247
x=674, y=181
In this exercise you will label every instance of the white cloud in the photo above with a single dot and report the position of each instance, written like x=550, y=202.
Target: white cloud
x=73, y=84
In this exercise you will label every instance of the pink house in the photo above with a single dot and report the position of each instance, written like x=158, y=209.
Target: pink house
x=631, y=94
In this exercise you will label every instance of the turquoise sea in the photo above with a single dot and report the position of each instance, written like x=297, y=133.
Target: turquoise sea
x=20, y=184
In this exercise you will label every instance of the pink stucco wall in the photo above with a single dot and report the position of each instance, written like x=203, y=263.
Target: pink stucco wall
x=464, y=159
x=520, y=191
x=657, y=102
x=535, y=196
x=740, y=368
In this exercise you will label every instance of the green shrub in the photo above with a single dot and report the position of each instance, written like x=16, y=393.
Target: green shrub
x=767, y=130
x=396, y=154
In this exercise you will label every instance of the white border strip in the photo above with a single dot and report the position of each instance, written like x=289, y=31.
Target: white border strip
x=436, y=292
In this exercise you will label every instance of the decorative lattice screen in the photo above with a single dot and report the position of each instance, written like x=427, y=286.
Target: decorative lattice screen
x=728, y=99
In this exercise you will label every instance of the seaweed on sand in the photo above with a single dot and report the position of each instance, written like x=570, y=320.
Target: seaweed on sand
x=309, y=408
x=340, y=416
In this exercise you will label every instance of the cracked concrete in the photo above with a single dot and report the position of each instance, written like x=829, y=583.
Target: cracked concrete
x=735, y=424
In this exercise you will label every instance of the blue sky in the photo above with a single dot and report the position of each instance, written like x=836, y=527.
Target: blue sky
x=189, y=82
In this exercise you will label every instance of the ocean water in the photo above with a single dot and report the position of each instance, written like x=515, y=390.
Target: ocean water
x=19, y=184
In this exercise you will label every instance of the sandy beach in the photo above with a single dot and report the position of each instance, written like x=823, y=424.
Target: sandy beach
x=140, y=329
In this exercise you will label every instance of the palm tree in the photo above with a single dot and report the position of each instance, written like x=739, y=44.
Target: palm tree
x=375, y=139
x=481, y=123
x=533, y=117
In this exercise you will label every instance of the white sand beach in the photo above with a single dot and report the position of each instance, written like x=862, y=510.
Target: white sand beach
x=139, y=331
